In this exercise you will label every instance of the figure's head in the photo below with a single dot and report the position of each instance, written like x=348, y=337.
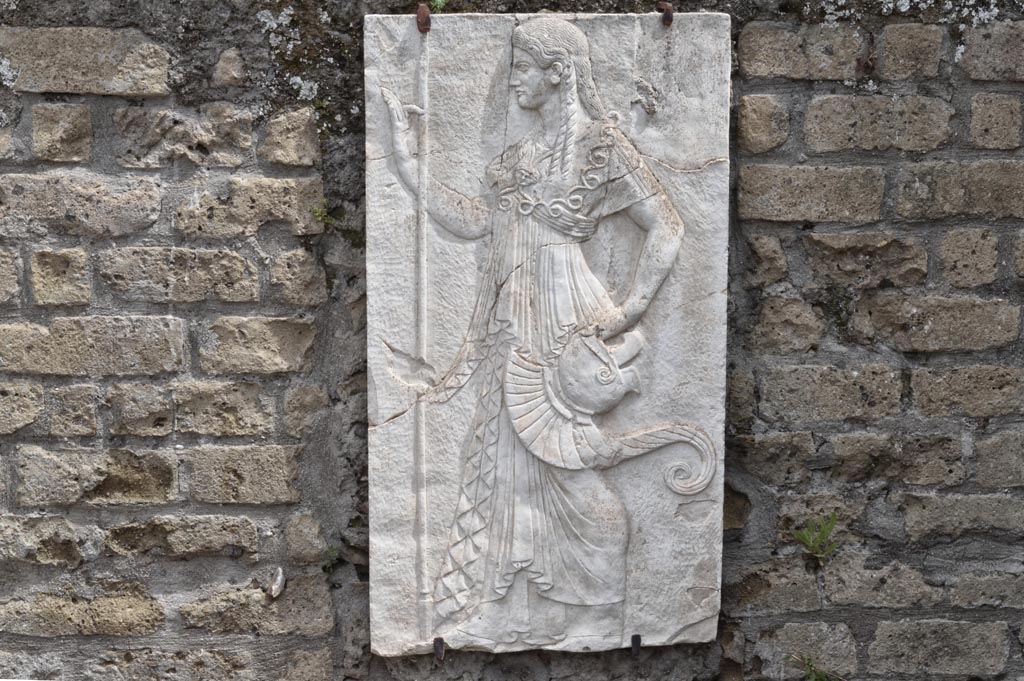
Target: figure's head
x=551, y=58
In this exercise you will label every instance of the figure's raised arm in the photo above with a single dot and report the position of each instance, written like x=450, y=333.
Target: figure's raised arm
x=464, y=216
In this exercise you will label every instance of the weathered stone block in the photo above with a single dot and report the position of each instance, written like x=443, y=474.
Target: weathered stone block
x=741, y=398
x=76, y=202
x=95, y=346
x=911, y=51
x=910, y=123
x=979, y=390
x=303, y=609
x=939, y=647
x=797, y=509
x=309, y=664
x=223, y=408
x=998, y=460
x=775, y=458
x=304, y=539
x=140, y=409
x=970, y=257
x=61, y=277
x=191, y=664
x=218, y=136
x=292, y=139
x=827, y=393
x=831, y=645
x=245, y=475
x=85, y=60
x=72, y=410
x=780, y=586
x=302, y=404
x=867, y=259
x=179, y=275
x=849, y=581
x=787, y=325
x=915, y=459
x=47, y=540
x=768, y=260
x=953, y=514
x=78, y=476
x=252, y=202
x=994, y=51
x=185, y=536
x=229, y=71
x=297, y=278
x=763, y=123
x=942, y=189
x=936, y=323
x=995, y=121
x=10, y=276
x=672, y=600
x=120, y=610
x=62, y=132
x=257, y=345
x=816, y=194
x=813, y=52
x=20, y=405
x=736, y=509
x=995, y=590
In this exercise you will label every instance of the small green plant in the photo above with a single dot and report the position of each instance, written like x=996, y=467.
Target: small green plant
x=332, y=557
x=811, y=670
x=322, y=106
x=437, y=5
x=817, y=538
x=323, y=216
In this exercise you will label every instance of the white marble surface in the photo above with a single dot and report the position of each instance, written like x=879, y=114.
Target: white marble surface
x=522, y=286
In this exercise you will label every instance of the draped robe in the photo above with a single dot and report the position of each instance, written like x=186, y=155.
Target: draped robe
x=543, y=511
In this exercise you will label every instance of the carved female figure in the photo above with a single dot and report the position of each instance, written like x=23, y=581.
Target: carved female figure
x=537, y=547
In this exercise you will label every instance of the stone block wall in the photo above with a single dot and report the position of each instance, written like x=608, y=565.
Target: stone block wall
x=182, y=366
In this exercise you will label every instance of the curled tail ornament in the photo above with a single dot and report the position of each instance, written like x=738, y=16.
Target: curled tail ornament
x=681, y=477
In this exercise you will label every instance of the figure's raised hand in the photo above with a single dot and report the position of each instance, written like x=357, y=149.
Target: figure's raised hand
x=399, y=112
x=401, y=137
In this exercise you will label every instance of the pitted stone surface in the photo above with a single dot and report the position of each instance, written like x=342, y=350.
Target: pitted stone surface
x=77, y=202
x=85, y=60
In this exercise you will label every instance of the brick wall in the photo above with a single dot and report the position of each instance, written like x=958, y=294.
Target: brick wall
x=182, y=368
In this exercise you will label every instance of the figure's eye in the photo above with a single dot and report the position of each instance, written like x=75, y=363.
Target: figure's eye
x=520, y=67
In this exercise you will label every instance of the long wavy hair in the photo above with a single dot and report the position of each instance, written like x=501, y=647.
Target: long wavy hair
x=550, y=41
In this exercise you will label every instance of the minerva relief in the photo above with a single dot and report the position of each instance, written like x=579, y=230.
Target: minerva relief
x=546, y=261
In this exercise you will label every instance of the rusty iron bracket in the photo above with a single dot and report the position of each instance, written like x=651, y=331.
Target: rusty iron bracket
x=666, y=10
x=634, y=642
x=438, y=642
x=423, y=17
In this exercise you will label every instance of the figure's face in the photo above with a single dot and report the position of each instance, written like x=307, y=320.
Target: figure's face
x=532, y=84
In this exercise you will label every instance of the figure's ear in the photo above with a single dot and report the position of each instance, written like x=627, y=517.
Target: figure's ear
x=555, y=72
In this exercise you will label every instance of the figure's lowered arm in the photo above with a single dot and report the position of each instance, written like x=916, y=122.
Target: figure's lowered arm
x=664, y=228
x=464, y=216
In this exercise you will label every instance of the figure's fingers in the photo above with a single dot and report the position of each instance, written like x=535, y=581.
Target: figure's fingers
x=412, y=108
x=394, y=105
